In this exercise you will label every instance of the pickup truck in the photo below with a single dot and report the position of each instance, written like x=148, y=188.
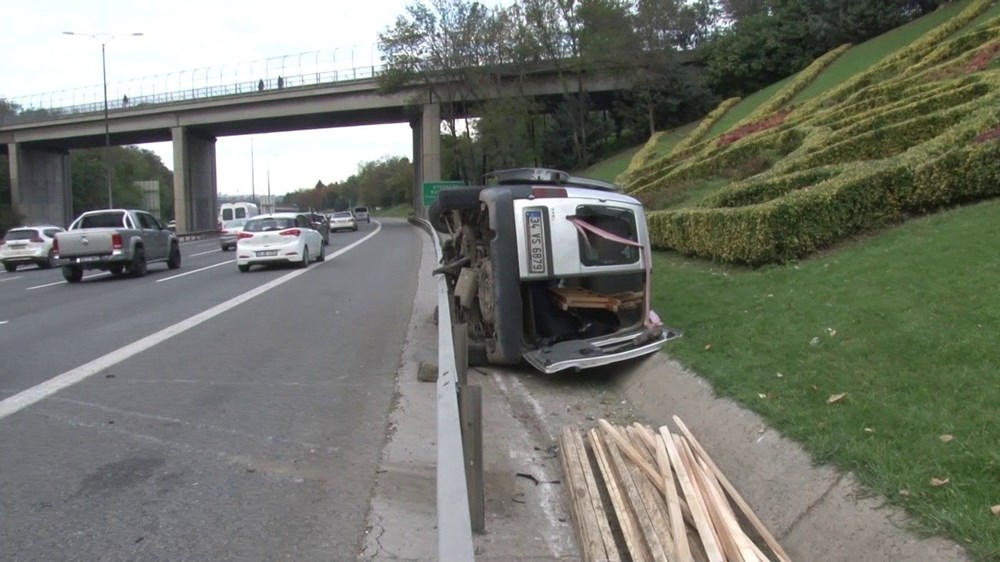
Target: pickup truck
x=548, y=268
x=116, y=240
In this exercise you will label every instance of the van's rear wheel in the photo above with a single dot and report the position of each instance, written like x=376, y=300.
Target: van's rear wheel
x=453, y=199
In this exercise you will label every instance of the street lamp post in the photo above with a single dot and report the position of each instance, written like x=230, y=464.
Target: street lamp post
x=103, y=39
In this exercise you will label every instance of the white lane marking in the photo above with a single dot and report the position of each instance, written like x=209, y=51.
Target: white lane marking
x=193, y=271
x=64, y=282
x=11, y=278
x=208, y=252
x=41, y=391
x=2, y=322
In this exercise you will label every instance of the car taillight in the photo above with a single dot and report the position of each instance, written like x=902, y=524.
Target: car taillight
x=55, y=245
x=291, y=232
x=223, y=231
x=543, y=192
x=116, y=241
x=242, y=235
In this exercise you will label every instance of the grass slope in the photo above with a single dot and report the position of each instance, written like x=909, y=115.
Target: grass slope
x=903, y=324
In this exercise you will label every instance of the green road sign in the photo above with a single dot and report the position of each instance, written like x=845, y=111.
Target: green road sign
x=432, y=188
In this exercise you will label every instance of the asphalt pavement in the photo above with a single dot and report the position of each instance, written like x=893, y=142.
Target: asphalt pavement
x=230, y=416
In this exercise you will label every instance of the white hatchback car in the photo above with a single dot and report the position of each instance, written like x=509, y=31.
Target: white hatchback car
x=279, y=238
x=27, y=245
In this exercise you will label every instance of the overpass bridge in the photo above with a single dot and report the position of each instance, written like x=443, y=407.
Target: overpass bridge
x=38, y=141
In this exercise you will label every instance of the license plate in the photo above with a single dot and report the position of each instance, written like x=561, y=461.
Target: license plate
x=17, y=246
x=535, y=223
x=267, y=253
x=89, y=258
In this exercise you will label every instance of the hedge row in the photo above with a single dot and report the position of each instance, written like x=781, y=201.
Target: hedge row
x=758, y=190
x=734, y=155
x=948, y=169
x=790, y=90
x=702, y=129
x=663, y=165
x=959, y=48
x=642, y=157
x=884, y=144
x=860, y=109
x=884, y=135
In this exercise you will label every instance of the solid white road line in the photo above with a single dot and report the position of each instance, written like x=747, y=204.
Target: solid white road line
x=193, y=271
x=2, y=322
x=10, y=278
x=64, y=282
x=41, y=391
x=208, y=252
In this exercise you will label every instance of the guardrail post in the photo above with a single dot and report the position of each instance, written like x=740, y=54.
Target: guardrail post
x=460, y=335
x=470, y=412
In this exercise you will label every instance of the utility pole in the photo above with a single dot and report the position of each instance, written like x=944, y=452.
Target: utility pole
x=253, y=193
x=103, y=39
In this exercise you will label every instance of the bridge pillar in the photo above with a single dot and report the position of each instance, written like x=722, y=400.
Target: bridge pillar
x=196, y=199
x=40, y=184
x=426, y=153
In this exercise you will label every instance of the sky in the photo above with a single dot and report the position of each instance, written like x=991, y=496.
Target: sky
x=184, y=41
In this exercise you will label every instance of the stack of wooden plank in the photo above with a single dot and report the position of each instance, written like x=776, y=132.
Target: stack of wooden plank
x=576, y=297
x=644, y=495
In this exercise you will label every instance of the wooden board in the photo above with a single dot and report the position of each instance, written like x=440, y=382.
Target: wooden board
x=637, y=548
x=731, y=490
x=576, y=297
x=652, y=496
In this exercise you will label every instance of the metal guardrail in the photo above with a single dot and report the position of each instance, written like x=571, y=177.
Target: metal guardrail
x=197, y=235
x=454, y=520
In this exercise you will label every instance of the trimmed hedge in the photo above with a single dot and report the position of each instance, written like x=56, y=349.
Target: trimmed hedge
x=909, y=135
x=731, y=156
x=862, y=196
x=702, y=129
x=665, y=164
x=801, y=80
x=642, y=157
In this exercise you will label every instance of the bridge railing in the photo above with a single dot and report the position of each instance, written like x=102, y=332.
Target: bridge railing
x=235, y=80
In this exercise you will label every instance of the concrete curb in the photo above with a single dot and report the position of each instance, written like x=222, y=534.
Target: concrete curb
x=817, y=513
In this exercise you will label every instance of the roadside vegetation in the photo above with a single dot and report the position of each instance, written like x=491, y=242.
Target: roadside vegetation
x=873, y=349
x=401, y=211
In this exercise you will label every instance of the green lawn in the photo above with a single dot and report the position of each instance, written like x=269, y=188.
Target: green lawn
x=904, y=324
x=863, y=56
x=745, y=107
x=609, y=168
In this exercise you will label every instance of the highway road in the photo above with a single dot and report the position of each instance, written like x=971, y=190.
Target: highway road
x=201, y=413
